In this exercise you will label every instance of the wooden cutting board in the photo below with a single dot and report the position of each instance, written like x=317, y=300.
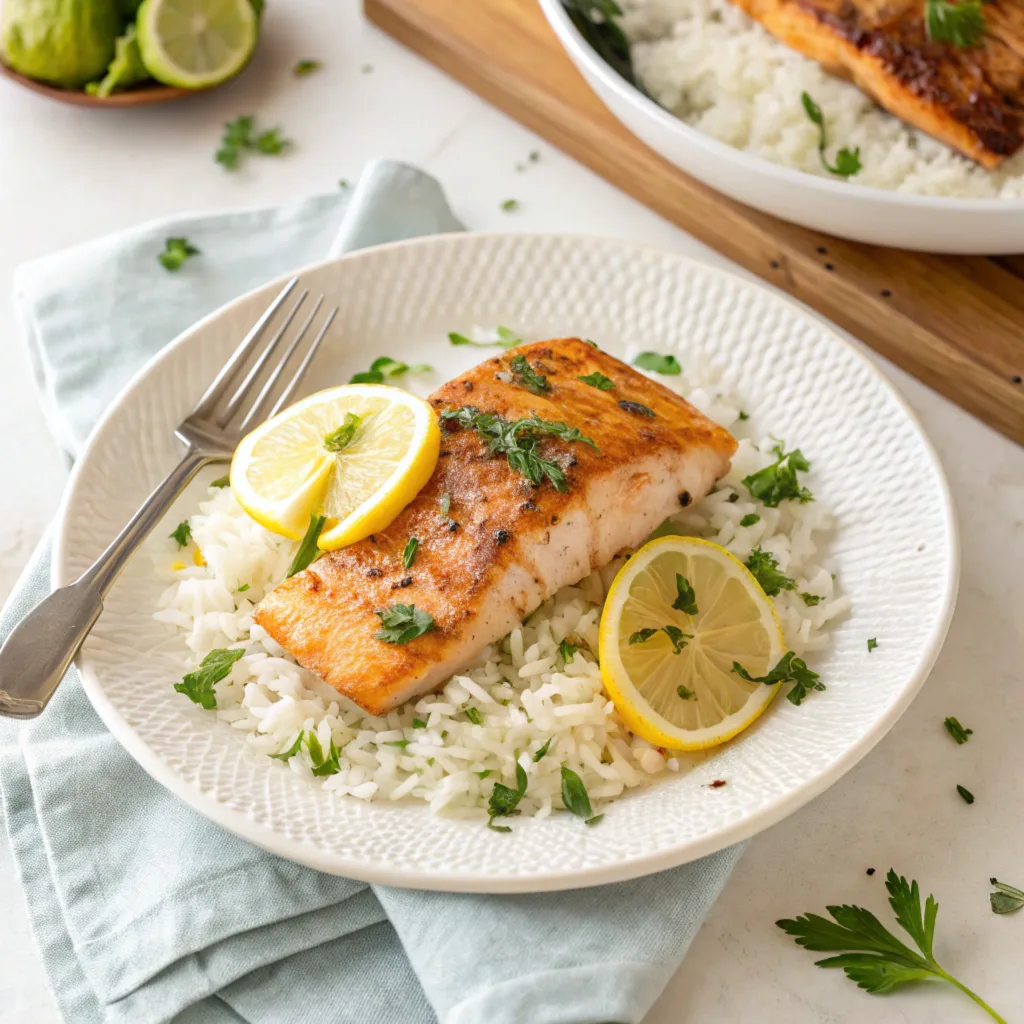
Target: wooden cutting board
x=956, y=323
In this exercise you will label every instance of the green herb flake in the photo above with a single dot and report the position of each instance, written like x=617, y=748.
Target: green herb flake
x=518, y=441
x=869, y=953
x=484, y=773
x=176, y=251
x=594, y=820
x=778, y=482
x=221, y=481
x=402, y=623
x=635, y=408
x=323, y=764
x=968, y=796
x=409, y=553
x=182, y=534
x=384, y=368
x=510, y=205
x=790, y=669
x=677, y=637
x=750, y=519
x=641, y=636
x=1006, y=899
x=598, y=380
x=306, y=67
x=567, y=651
x=686, y=599
x=506, y=339
x=287, y=755
x=308, y=550
x=504, y=800
x=242, y=589
x=338, y=440
x=685, y=692
x=765, y=570
x=198, y=685
x=810, y=599
x=847, y=161
x=574, y=794
x=543, y=750
x=656, y=362
x=527, y=377
x=872, y=644
x=960, y=24
x=743, y=415
x=401, y=744
x=957, y=731
x=343, y=183
x=238, y=138
x=418, y=723
x=473, y=714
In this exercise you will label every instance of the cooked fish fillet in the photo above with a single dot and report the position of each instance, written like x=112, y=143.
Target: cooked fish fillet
x=970, y=98
x=504, y=545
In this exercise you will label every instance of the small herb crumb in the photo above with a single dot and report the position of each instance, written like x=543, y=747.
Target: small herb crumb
x=509, y=205
x=967, y=795
x=685, y=692
x=306, y=67
x=409, y=554
x=242, y=589
x=221, y=481
x=418, y=723
x=872, y=644
x=810, y=599
x=474, y=716
x=744, y=416
x=182, y=534
x=176, y=251
x=957, y=731
x=750, y=519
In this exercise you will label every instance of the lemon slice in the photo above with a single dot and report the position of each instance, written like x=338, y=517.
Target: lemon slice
x=357, y=454
x=195, y=44
x=692, y=699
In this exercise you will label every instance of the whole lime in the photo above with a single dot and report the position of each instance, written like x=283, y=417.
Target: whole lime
x=63, y=42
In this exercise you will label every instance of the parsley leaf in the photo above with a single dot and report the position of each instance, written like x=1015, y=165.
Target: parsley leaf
x=473, y=714
x=676, y=636
x=667, y=365
x=685, y=692
x=338, y=440
x=870, y=954
x=418, y=723
x=401, y=744
x=872, y=644
x=1007, y=899
x=847, y=161
x=957, y=731
x=766, y=571
x=574, y=794
x=750, y=519
x=543, y=750
x=271, y=142
x=967, y=795
x=744, y=415
x=962, y=24
x=686, y=599
x=506, y=339
x=790, y=669
x=307, y=546
x=323, y=764
x=242, y=589
x=221, y=481
x=385, y=368
x=509, y=205
x=810, y=599
x=598, y=380
x=402, y=623
x=527, y=377
x=287, y=755
x=778, y=482
x=503, y=800
x=567, y=651
x=176, y=251
x=198, y=685
x=595, y=820
x=306, y=67
x=182, y=533
x=238, y=138
x=641, y=635
x=409, y=554
x=517, y=440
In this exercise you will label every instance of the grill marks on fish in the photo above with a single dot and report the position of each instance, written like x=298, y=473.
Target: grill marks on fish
x=516, y=544
x=971, y=98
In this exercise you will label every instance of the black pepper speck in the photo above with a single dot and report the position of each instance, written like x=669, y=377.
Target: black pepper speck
x=501, y=536
x=685, y=498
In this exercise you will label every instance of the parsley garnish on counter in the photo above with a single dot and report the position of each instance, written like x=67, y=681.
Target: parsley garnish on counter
x=517, y=440
x=504, y=799
x=847, y=161
x=338, y=440
x=766, y=571
x=308, y=550
x=667, y=365
x=176, y=251
x=598, y=380
x=872, y=644
x=527, y=377
x=1007, y=899
x=778, y=482
x=957, y=731
x=965, y=793
x=962, y=24
x=790, y=669
x=306, y=67
x=181, y=534
x=238, y=138
x=869, y=953
x=385, y=368
x=509, y=205
x=402, y=623
x=198, y=685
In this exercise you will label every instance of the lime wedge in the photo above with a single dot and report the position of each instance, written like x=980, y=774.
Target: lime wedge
x=195, y=44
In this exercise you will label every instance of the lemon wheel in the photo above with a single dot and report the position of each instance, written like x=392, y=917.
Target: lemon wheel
x=670, y=672
x=357, y=454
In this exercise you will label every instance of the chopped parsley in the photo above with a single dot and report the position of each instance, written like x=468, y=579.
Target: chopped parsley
x=323, y=764
x=967, y=795
x=306, y=67
x=271, y=142
x=176, y=251
x=418, y=723
x=567, y=651
x=239, y=138
x=527, y=377
x=401, y=744
x=308, y=550
x=338, y=440
x=961, y=24
x=766, y=571
x=242, y=589
x=847, y=161
x=518, y=441
x=543, y=750
x=287, y=755
x=198, y=685
x=484, y=773
x=667, y=365
x=574, y=794
x=385, y=368
x=504, y=799
x=445, y=504
x=686, y=599
x=509, y=205
x=810, y=599
x=685, y=692
x=598, y=380
x=790, y=669
x=676, y=637
x=1007, y=899
x=635, y=408
x=409, y=554
x=641, y=636
x=744, y=415
x=402, y=623
x=221, y=481
x=750, y=519
x=778, y=482
x=507, y=338
x=872, y=644
x=957, y=731
x=182, y=534
x=474, y=716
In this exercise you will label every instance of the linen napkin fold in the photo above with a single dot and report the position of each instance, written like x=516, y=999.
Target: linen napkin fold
x=144, y=911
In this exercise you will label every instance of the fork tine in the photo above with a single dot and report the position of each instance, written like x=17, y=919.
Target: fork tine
x=304, y=365
x=253, y=415
x=242, y=390
x=211, y=395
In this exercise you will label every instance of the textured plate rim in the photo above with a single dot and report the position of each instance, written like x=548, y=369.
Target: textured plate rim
x=579, y=48
x=308, y=854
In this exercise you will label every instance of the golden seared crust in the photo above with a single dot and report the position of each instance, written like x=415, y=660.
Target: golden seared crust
x=496, y=523
x=971, y=98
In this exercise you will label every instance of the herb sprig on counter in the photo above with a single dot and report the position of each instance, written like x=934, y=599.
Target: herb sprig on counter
x=239, y=138
x=961, y=24
x=957, y=731
x=847, y=161
x=517, y=440
x=869, y=953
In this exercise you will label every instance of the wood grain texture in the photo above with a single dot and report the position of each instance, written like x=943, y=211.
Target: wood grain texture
x=955, y=323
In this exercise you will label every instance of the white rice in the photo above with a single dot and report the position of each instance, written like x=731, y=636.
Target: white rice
x=720, y=71
x=429, y=750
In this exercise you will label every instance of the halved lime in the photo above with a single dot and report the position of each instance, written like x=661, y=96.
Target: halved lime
x=195, y=44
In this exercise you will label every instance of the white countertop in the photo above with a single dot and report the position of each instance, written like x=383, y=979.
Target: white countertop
x=67, y=175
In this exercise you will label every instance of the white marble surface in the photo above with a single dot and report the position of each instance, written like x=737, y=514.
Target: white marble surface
x=67, y=175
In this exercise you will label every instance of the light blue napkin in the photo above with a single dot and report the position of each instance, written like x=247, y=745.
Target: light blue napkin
x=143, y=910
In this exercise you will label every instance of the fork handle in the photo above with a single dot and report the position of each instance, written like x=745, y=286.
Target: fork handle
x=38, y=651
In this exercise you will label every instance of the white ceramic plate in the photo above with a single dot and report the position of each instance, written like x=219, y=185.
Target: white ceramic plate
x=895, y=550
x=932, y=224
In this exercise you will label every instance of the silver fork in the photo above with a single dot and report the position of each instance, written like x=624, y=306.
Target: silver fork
x=41, y=647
